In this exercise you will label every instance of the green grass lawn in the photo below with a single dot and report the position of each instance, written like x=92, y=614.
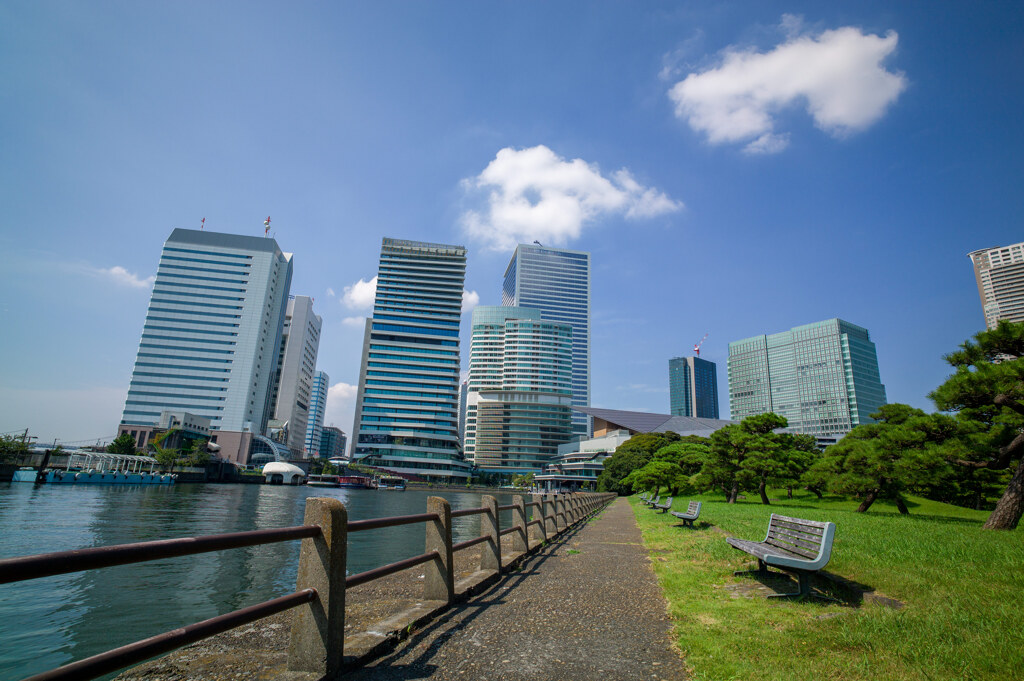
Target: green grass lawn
x=963, y=588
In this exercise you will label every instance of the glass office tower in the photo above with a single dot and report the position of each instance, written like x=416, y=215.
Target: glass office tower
x=519, y=398
x=406, y=417
x=556, y=281
x=212, y=332
x=822, y=377
x=317, y=408
x=693, y=387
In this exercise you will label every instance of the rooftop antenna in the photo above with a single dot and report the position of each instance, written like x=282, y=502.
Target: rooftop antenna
x=538, y=243
x=696, y=346
x=266, y=225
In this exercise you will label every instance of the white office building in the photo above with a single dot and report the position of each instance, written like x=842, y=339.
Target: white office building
x=212, y=333
x=1000, y=276
x=296, y=364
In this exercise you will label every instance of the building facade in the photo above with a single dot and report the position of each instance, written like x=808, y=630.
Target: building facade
x=999, y=273
x=557, y=282
x=519, y=402
x=822, y=377
x=693, y=387
x=332, y=443
x=406, y=414
x=317, y=408
x=296, y=364
x=211, y=336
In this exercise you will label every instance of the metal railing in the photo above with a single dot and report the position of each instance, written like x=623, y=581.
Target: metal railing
x=318, y=625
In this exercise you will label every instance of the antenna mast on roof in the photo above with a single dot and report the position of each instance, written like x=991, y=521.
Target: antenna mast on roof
x=696, y=346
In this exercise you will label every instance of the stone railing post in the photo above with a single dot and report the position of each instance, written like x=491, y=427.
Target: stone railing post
x=548, y=504
x=520, y=539
x=490, y=557
x=559, y=512
x=318, y=628
x=438, y=577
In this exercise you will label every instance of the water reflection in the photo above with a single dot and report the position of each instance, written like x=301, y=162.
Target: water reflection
x=48, y=622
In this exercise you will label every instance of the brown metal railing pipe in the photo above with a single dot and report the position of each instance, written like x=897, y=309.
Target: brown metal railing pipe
x=63, y=562
x=375, y=523
x=468, y=511
x=509, y=507
x=470, y=542
x=390, y=569
x=118, y=658
x=534, y=522
x=509, y=531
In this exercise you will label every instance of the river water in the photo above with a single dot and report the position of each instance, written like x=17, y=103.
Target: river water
x=45, y=623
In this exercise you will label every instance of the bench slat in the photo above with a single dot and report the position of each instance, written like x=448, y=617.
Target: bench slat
x=795, y=541
x=809, y=531
x=802, y=521
x=795, y=550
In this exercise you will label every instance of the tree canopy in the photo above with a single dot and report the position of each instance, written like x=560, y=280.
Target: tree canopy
x=122, y=444
x=987, y=387
x=634, y=453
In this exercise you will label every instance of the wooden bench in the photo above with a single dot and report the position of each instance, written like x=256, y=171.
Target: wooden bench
x=792, y=544
x=691, y=514
x=663, y=507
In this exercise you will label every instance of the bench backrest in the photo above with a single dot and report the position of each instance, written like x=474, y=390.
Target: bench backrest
x=693, y=507
x=808, y=539
x=667, y=502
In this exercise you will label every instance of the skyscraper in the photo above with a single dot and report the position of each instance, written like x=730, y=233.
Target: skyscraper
x=296, y=364
x=212, y=332
x=1000, y=276
x=317, y=407
x=406, y=414
x=822, y=377
x=693, y=387
x=519, y=402
x=557, y=282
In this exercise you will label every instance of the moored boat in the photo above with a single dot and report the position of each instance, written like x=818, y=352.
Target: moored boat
x=390, y=483
x=355, y=482
x=324, y=481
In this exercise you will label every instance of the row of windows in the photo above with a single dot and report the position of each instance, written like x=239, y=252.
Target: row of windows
x=157, y=346
x=216, y=253
x=178, y=384
x=404, y=358
x=193, y=313
x=208, y=270
x=405, y=339
x=190, y=359
x=184, y=329
x=190, y=294
x=439, y=395
x=165, y=405
x=424, y=320
x=145, y=393
x=163, y=275
x=153, y=336
x=403, y=384
x=182, y=377
x=189, y=303
x=179, y=366
x=376, y=400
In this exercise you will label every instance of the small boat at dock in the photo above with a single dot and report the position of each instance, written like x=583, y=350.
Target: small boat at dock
x=324, y=481
x=389, y=483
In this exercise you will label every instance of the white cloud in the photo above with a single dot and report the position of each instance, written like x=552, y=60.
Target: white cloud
x=837, y=74
x=341, y=406
x=535, y=195
x=330, y=292
x=359, y=296
x=123, y=277
x=470, y=299
x=354, y=321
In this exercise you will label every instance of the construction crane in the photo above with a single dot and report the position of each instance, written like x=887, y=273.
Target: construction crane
x=696, y=346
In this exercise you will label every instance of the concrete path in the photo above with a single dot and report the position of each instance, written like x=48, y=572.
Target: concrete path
x=587, y=607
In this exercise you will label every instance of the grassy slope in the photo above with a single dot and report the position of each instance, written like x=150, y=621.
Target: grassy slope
x=964, y=588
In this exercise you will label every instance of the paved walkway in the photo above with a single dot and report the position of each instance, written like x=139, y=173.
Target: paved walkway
x=587, y=607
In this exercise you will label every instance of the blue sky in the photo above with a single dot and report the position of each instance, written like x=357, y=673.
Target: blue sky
x=735, y=168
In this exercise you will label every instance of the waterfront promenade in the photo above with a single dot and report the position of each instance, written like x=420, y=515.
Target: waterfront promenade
x=587, y=606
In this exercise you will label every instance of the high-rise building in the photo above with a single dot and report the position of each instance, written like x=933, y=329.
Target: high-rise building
x=296, y=364
x=317, y=407
x=406, y=414
x=211, y=337
x=1000, y=276
x=693, y=387
x=556, y=281
x=520, y=398
x=822, y=377
x=332, y=442
x=463, y=393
